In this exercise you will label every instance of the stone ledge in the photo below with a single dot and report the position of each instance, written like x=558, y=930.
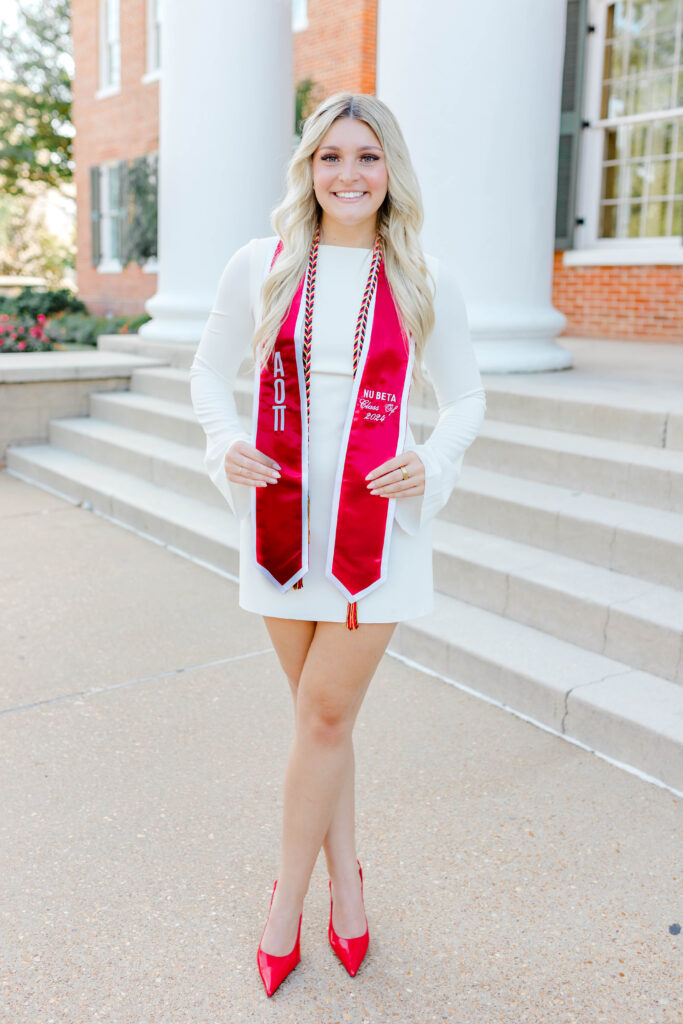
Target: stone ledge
x=23, y=367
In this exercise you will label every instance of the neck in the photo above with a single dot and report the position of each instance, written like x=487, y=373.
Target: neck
x=358, y=236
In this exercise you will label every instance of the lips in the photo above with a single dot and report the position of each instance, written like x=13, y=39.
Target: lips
x=353, y=196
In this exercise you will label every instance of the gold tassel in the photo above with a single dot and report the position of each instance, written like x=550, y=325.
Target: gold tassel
x=352, y=616
x=299, y=585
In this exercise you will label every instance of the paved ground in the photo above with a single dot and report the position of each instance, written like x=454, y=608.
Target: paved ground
x=144, y=729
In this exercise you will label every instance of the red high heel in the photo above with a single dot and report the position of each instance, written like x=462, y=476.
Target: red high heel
x=350, y=951
x=274, y=969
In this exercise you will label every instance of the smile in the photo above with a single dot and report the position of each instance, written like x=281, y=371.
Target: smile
x=349, y=195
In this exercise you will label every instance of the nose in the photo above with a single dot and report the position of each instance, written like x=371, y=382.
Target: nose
x=348, y=170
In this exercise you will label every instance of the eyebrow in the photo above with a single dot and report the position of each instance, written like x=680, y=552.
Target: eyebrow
x=360, y=148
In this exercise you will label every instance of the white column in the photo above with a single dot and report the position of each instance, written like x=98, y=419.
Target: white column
x=225, y=135
x=476, y=87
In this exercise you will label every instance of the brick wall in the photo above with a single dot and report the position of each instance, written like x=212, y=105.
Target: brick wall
x=119, y=127
x=630, y=303
x=338, y=48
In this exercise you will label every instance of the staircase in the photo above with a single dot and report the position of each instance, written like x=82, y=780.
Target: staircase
x=558, y=560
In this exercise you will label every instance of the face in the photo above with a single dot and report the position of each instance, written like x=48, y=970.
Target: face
x=350, y=181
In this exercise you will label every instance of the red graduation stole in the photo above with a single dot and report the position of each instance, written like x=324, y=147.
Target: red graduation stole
x=361, y=523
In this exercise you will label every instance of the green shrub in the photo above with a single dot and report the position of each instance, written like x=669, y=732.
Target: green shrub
x=30, y=303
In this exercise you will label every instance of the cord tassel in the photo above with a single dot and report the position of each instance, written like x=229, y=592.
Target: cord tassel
x=299, y=585
x=352, y=616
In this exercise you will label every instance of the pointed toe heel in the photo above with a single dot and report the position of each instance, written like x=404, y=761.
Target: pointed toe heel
x=350, y=951
x=274, y=969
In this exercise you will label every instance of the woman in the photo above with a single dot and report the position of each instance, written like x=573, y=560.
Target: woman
x=335, y=500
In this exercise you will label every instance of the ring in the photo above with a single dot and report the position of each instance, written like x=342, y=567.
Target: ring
x=403, y=470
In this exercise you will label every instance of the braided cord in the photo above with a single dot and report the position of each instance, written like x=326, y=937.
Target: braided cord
x=358, y=340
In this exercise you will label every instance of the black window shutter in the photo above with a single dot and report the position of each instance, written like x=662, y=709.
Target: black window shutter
x=570, y=123
x=95, y=216
x=123, y=213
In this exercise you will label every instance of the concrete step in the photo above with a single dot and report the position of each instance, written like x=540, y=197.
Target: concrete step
x=178, y=467
x=629, y=472
x=174, y=421
x=626, y=618
x=614, y=534
x=638, y=721
x=632, y=716
x=638, y=473
x=593, y=410
x=169, y=382
x=209, y=533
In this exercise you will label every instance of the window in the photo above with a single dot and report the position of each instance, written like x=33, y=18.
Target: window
x=641, y=112
x=628, y=204
x=110, y=47
x=299, y=15
x=107, y=187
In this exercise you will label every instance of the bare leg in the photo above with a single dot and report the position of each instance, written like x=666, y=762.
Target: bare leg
x=318, y=790
x=292, y=639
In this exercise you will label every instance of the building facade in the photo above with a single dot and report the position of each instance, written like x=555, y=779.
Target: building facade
x=617, y=270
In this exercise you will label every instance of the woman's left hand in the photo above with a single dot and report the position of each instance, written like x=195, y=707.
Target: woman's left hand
x=389, y=480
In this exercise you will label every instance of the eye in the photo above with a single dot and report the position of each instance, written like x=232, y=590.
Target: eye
x=329, y=156
x=372, y=156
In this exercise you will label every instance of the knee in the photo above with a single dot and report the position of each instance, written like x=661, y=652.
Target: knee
x=325, y=720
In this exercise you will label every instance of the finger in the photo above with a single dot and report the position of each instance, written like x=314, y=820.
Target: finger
x=401, y=487
x=248, y=451
x=250, y=480
x=406, y=492
x=249, y=463
x=385, y=467
x=395, y=476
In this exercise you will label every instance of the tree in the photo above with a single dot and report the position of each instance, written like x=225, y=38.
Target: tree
x=36, y=131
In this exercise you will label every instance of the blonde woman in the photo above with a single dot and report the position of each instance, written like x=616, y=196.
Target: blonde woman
x=341, y=309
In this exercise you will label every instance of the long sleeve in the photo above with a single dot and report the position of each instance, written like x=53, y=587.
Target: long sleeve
x=453, y=371
x=224, y=343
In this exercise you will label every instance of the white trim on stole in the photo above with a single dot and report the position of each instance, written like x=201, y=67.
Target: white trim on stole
x=298, y=346
x=403, y=423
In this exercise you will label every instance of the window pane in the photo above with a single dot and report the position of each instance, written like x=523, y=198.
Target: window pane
x=660, y=178
x=677, y=228
x=662, y=138
x=678, y=182
x=666, y=12
x=608, y=222
x=656, y=220
x=665, y=48
x=634, y=220
x=638, y=136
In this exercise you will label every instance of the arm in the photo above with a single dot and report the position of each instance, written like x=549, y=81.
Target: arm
x=223, y=345
x=453, y=371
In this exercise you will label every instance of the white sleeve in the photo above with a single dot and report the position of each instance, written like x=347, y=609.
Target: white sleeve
x=453, y=371
x=225, y=341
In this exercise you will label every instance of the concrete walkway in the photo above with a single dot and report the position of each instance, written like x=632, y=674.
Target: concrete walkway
x=145, y=724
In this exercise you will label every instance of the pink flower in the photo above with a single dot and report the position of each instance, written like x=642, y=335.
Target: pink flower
x=5, y=316
x=21, y=345
x=41, y=318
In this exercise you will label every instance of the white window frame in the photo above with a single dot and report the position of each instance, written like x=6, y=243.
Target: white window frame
x=108, y=264
x=109, y=74
x=155, y=23
x=589, y=248
x=299, y=15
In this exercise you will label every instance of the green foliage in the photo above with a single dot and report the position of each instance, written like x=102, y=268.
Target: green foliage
x=81, y=329
x=31, y=303
x=304, y=102
x=140, y=235
x=36, y=132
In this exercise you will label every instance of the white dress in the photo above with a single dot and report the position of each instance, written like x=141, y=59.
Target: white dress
x=342, y=273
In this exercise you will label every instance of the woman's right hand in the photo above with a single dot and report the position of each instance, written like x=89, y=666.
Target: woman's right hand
x=247, y=465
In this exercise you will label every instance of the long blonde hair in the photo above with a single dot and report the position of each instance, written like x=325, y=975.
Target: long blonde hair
x=399, y=221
